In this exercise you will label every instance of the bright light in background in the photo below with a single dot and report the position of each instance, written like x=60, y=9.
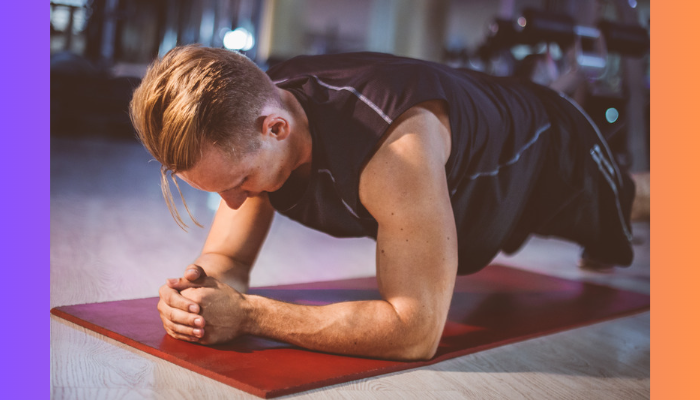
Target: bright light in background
x=79, y=20
x=520, y=51
x=633, y=3
x=611, y=115
x=555, y=51
x=239, y=39
x=76, y=3
x=593, y=61
x=522, y=21
x=60, y=17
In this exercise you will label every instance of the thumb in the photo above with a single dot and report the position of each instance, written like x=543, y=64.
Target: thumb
x=181, y=284
x=194, y=277
x=194, y=273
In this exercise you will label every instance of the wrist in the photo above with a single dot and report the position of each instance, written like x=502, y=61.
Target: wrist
x=250, y=308
x=226, y=270
x=236, y=278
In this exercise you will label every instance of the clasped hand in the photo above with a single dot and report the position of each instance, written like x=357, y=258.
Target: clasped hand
x=199, y=308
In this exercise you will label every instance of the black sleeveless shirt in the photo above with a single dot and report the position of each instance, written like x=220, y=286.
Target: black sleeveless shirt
x=499, y=132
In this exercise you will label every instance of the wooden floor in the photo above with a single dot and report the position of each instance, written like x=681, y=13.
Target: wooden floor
x=112, y=238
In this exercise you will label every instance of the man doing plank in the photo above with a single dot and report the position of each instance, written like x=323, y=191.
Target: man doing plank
x=443, y=167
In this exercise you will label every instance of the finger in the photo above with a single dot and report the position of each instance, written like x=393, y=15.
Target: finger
x=184, y=318
x=173, y=329
x=185, y=330
x=180, y=284
x=172, y=298
x=193, y=272
x=179, y=333
x=183, y=337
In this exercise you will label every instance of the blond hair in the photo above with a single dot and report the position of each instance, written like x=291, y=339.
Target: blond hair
x=197, y=95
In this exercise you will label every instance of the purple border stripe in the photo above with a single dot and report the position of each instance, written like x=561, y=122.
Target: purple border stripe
x=24, y=163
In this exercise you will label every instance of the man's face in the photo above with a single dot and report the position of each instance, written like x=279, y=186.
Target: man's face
x=235, y=178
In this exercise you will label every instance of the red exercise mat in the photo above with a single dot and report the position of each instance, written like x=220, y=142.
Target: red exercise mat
x=496, y=306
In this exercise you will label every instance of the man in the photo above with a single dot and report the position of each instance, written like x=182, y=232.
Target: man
x=443, y=167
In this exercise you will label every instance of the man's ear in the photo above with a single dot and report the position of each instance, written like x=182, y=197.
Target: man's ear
x=275, y=125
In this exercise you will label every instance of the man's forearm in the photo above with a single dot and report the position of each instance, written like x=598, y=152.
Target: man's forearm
x=366, y=328
x=225, y=269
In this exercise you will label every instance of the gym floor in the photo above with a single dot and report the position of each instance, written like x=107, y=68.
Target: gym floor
x=112, y=238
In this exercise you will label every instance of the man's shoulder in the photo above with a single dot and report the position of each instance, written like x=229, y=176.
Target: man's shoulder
x=423, y=128
x=409, y=165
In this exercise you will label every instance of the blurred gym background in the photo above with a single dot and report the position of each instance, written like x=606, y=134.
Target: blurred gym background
x=596, y=51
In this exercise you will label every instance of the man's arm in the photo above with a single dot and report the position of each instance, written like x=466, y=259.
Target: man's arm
x=229, y=253
x=234, y=241
x=404, y=188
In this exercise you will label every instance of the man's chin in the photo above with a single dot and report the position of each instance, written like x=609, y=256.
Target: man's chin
x=276, y=187
x=236, y=206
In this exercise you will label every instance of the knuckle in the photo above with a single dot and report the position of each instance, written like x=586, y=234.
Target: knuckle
x=167, y=296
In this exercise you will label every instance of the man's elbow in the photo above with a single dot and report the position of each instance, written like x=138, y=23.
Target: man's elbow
x=419, y=353
x=423, y=345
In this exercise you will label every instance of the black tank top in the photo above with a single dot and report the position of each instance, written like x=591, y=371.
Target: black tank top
x=499, y=135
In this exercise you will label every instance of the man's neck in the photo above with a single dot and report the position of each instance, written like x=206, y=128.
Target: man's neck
x=301, y=136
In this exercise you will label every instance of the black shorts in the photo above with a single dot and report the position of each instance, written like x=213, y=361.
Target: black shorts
x=581, y=194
